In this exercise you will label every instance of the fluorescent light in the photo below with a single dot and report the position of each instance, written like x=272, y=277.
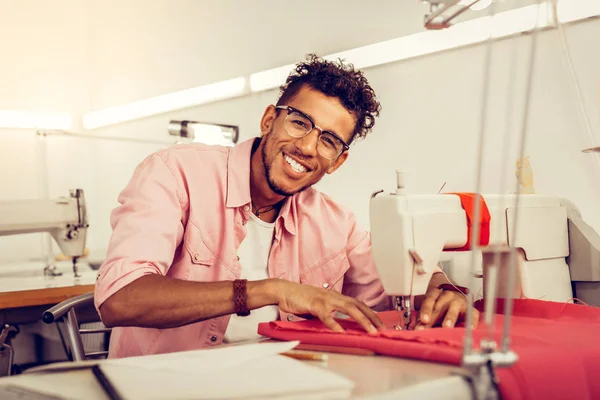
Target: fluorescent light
x=575, y=10
x=270, y=79
x=462, y=34
x=207, y=133
x=165, y=103
x=210, y=134
x=427, y=42
x=34, y=120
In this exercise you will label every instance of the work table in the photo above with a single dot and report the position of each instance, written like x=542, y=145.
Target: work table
x=25, y=292
x=374, y=377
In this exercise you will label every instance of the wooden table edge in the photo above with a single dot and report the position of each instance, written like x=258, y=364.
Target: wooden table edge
x=38, y=297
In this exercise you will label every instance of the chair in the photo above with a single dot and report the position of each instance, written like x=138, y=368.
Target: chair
x=64, y=314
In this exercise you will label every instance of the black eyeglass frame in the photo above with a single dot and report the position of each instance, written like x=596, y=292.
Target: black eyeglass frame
x=291, y=109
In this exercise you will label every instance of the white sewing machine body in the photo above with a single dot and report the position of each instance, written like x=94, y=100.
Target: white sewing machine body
x=555, y=246
x=65, y=218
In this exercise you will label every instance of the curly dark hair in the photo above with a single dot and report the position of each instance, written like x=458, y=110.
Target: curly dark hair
x=335, y=79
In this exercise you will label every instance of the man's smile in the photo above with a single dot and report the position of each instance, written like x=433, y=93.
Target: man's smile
x=296, y=165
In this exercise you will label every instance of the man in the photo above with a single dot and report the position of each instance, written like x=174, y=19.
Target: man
x=204, y=232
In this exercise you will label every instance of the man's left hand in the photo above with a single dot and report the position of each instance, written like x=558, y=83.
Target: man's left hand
x=443, y=308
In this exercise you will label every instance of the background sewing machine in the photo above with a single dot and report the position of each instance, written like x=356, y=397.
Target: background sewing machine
x=24, y=291
x=558, y=253
x=64, y=218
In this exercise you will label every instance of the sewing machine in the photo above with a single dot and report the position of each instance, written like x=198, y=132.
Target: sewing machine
x=64, y=218
x=556, y=251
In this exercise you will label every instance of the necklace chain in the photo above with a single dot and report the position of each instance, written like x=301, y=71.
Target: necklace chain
x=264, y=209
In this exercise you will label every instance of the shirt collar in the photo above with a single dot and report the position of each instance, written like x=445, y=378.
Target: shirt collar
x=238, y=184
x=288, y=213
x=238, y=174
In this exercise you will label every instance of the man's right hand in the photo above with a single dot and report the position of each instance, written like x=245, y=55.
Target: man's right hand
x=299, y=299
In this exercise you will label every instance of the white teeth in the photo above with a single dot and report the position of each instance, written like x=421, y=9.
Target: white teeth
x=295, y=166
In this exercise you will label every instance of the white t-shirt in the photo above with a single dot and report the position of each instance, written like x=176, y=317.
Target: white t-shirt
x=254, y=254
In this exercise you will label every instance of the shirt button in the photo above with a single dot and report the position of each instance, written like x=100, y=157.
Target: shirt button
x=246, y=207
x=326, y=285
x=213, y=339
x=196, y=257
x=290, y=317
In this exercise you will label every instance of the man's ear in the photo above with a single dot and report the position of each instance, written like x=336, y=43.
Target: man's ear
x=338, y=162
x=268, y=119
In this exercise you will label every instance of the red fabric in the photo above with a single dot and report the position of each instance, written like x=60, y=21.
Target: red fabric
x=557, y=345
x=467, y=201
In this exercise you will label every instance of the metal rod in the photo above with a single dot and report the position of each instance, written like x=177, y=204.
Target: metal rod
x=66, y=348
x=512, y=72
x=75, y=339
x=490, y=291
x=93, y=354
x=43, y=193
x=475, y=251
x=512, y=266
x=95, y=330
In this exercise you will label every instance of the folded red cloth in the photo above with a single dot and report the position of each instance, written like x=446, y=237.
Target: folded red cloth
x=557, y=345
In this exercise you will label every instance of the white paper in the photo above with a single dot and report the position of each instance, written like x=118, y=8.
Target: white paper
x=198, y=362
x=251, y=371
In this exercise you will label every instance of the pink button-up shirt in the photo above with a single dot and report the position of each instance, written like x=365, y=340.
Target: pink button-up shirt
x=182, y=215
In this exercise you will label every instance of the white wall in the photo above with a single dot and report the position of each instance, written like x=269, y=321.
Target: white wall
x=430, y=123
x=42, y=68
x=142, y=49
x=431, y=114
x=89, y=54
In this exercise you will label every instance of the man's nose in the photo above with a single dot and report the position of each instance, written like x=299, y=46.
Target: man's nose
x=308, y=144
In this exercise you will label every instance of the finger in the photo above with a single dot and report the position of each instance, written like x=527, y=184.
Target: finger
x=440, y=308
x=331, y=323
x=436, y=317
x=454, y=309
x=427, y=306
x=357, y=315
x=372, y=315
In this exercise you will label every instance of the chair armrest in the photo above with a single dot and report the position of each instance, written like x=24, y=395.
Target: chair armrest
x=59, y=310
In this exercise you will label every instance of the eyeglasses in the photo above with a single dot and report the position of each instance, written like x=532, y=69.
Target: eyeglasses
x=297, y=124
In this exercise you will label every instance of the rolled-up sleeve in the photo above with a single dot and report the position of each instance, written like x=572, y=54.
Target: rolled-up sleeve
x=147, y=228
